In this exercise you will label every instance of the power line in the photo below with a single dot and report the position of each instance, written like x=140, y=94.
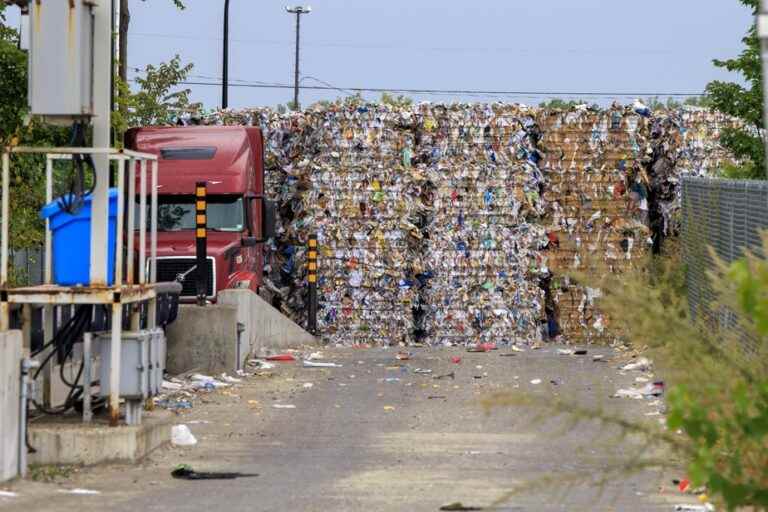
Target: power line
x=452, y=91
x=439, y=49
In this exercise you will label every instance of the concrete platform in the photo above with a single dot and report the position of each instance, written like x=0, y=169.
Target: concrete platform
x=71, y=442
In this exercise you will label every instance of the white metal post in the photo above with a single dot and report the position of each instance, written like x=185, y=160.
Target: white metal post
x=131, y=200
x=143, y=223
x=6, y=220
x=153, y=233
x=120, y=221
x=87, y=377
x=102, y=98
x=114, y=363
x=48, y=273
x=5, y=311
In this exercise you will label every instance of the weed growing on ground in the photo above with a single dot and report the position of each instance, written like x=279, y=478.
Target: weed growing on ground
x=716, y=370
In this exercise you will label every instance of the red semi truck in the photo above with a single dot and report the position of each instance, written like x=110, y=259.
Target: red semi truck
x=239, y=218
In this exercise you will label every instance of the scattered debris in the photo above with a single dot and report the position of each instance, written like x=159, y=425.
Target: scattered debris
x=598, y=358
x=508, y=354
x=459, y=506
x=650, y=390
x=283, y=358
x=536, y=381
x=308, y=385
x=174, y=405
x=171, y=386
x=185, y=472
x=482, y=347
x=642, y=364
x=314, y=364
x=451, y=375
x=572, y=351
x=283, y=406
x=8, y=494
x=403, y=356
x=707, y=507
x=200, y=381
x=456, y=360
x=436, y=397
x=261, y=364
x=230, y=380
x=389, y=408
x=81, y=492
x=422, y=370
x=182, y=436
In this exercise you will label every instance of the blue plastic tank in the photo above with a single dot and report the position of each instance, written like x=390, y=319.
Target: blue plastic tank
x=72, y=241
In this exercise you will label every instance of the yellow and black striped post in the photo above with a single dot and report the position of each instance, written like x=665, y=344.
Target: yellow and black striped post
x=201, y=221
x=312, y=280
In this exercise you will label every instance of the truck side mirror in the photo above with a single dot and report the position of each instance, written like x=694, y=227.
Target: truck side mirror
x=261, y=218
x=268, y=218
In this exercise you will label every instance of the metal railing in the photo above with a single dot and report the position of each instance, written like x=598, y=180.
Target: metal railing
x=728, y=216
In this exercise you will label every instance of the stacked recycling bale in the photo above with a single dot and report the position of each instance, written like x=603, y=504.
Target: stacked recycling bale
x=439, y=223
x=364, y=202
x=286, y=182
x=483, y=162
x=597, y=197
x=683, y=142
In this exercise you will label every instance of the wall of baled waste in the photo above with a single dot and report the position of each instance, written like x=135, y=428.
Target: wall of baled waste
x=460, y=223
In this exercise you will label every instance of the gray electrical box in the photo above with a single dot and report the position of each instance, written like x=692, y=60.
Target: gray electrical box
x=142, y=363
x=157, y=355
x=61, y=59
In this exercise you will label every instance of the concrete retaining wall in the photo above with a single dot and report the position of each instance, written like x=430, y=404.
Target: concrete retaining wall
x=10, y=367
x=75, y=443
x=265, y=327
x=203, y=339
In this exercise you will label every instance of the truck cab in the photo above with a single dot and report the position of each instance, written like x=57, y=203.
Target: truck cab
x=230, y=159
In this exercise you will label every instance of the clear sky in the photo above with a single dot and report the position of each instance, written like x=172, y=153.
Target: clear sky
x=614, y=46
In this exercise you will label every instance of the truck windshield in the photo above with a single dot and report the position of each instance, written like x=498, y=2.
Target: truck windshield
x=225, y=213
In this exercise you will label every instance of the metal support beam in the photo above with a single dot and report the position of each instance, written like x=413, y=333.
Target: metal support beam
x=102, y=106
x=114, y=375
x=130, y=231
x=143, y=222
x=762, y=33
x=6, y=219
x=87, y=376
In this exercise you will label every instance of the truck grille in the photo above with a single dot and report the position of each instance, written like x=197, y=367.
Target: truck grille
x=169, y=268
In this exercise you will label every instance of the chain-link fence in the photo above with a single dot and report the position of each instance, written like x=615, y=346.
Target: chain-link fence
x=727, y=215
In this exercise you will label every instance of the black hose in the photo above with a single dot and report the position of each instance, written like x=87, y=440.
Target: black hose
x=72, y=202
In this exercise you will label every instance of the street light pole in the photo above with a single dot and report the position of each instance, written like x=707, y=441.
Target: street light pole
x=762, y=33
x=225, y=63
x=298, y=11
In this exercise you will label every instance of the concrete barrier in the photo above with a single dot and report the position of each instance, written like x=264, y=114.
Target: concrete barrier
x=10, y=368
x=203, y=339
x=265, y=326
x=97, y=443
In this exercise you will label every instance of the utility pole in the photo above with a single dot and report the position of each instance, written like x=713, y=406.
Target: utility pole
x=225, y=63
x=762, y=33
x=298, y=11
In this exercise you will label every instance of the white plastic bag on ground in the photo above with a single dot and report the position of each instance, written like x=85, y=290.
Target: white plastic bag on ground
x=182, y=436
x=643, y=364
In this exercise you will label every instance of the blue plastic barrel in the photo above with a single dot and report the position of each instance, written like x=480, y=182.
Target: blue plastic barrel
x=72, y=241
